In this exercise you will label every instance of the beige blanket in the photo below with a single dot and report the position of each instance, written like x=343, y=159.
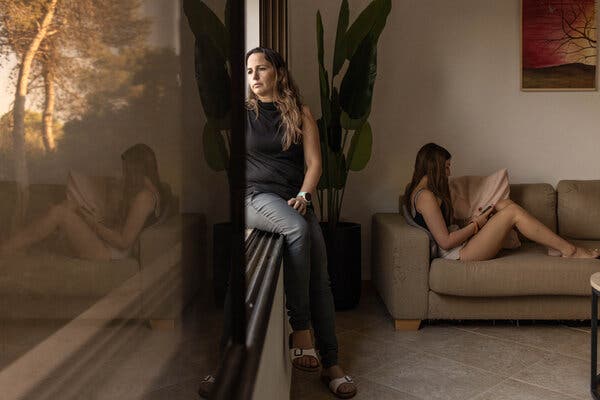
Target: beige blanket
x=469, y=193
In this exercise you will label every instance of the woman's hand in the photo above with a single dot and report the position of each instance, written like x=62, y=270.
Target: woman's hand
x=89, y=217
x=299, y=204
x=482, y=219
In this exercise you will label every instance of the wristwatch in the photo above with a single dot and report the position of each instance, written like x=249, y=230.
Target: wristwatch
x=306, y=196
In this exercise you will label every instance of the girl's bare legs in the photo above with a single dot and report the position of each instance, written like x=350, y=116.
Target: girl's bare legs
x=82, y=238
x=487, y=242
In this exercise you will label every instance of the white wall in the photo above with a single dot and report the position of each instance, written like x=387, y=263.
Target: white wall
x=448, y=72
x=252, y=24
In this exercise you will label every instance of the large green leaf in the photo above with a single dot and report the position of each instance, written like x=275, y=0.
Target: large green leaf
x=320, y=50
x=334, y=170
x=386, y=7
x=322, y=133
x=335, y=129
x=356, y=90
x=361, y=146
x=339, y=172
x=227, y=15
x=204, y=22
x=323, y=77
x=339, y=54
x=371, y=20
x=324, y=180
x=324, y=92
x=334, y=164
x=215, y=151
x=212, y=77
x=353, y=124
x=223, y=124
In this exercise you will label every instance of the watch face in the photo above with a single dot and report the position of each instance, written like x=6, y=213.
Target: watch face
x=308, y=196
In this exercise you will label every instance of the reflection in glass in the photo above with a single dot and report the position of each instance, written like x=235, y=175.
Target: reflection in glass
x=102, y=225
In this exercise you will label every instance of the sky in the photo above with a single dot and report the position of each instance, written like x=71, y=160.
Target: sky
x=164, y=33
x=542, y=21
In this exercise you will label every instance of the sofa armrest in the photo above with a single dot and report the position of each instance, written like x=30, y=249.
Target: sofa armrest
x=172, y=262
x=400, y=266
x=157, y=240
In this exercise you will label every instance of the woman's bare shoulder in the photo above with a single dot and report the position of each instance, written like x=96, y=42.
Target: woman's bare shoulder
x=144, y=198
x=425, y=197
x=422, y=193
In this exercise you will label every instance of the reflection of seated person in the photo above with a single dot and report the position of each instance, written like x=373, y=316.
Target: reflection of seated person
x=84, y=228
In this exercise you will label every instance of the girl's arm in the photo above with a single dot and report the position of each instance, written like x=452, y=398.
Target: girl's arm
x=141, y=206
x=428, y=206
x=312, y=158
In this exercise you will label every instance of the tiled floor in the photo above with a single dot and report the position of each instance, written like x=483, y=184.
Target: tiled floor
x=462, y=361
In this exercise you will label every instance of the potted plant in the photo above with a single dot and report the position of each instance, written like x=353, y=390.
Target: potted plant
x=214, y=85
x=212, y=77
x=346, y=136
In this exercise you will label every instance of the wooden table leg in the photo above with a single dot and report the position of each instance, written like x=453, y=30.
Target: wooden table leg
x=594, y=347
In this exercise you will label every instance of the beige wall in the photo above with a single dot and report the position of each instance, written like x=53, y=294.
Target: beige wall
x=448, y=72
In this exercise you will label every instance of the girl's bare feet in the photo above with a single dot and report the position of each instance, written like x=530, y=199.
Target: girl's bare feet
x=580, y=252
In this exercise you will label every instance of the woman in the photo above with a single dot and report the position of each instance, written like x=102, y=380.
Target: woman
x=282, y=137
x=87, y=235
x=428, y=198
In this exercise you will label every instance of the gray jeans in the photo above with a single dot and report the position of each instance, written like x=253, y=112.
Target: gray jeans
x=306, y=281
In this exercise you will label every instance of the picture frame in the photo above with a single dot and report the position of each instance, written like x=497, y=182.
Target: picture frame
x=558, y=49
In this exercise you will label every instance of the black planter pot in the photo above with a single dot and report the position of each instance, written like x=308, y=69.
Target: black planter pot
x=344, y=263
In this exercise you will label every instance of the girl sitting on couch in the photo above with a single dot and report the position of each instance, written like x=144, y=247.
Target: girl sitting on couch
x=87, y=235
x=427, y=197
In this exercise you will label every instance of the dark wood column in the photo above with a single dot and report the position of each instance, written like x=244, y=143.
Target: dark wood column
x=273, y=25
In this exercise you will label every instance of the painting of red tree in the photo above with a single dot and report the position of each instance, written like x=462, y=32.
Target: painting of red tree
x=558, y=44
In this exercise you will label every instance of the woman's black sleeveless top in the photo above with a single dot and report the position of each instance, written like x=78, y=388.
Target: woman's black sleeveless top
x=421, y=221
x=270, y=169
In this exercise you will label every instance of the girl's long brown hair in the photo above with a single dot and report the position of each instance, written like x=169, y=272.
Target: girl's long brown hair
x=286, y=97
x=139, y=161
x=431, y=162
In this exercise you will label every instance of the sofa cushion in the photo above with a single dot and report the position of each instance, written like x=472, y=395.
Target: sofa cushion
x=539, y=199
x=523, y=272
x=578, y=209
x=42, y=196
x=59, y=275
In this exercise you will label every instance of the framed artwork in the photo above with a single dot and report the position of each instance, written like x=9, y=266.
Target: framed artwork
x=558, y=45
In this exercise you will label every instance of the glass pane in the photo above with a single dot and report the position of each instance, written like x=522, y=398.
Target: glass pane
x=107, y=200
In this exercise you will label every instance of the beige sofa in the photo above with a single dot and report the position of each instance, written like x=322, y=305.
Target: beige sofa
x=524, y=283
x=47, y=282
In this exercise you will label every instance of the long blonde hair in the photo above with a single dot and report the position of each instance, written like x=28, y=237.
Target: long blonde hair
x=286, y=97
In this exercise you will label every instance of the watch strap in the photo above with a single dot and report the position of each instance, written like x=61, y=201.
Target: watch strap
x=303, y=195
